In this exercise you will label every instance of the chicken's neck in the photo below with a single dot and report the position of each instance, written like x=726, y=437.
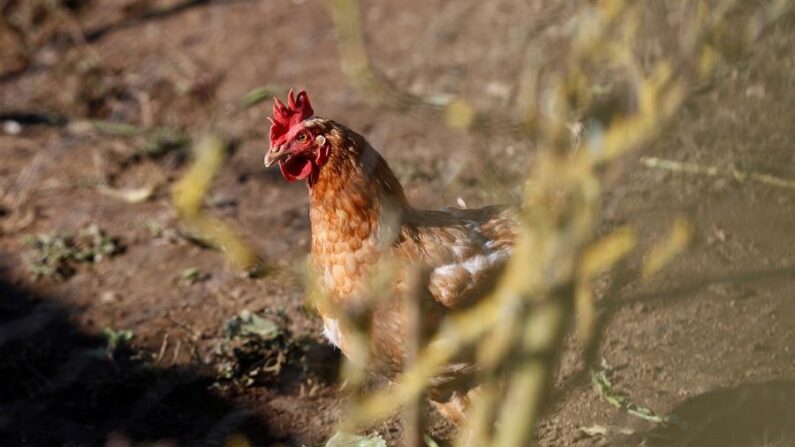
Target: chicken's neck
x=355, y=194
x=356, y=209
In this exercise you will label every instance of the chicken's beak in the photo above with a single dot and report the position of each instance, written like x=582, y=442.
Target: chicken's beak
x=275, y=154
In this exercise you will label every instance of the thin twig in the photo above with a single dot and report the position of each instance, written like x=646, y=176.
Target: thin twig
x=714, y=171
x=415, y=412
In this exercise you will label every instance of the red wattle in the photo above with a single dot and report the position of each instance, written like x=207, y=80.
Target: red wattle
x=296, y=168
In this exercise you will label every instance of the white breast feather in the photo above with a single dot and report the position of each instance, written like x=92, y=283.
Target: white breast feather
x=331, y=330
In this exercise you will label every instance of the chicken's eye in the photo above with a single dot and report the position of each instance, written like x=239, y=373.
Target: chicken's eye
x=301, y=137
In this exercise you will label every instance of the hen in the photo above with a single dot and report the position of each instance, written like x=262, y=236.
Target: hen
x=359, y=216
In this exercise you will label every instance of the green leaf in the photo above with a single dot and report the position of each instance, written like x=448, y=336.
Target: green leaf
x=258, y=94
x=249, y=324
x=116, y=339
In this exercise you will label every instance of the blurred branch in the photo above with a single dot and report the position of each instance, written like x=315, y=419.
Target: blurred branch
x=598, y=258
x=414, y=415
x=458, y=113
x=663, y=252
x=188, y=195
x=714, y=171
x=356, y=64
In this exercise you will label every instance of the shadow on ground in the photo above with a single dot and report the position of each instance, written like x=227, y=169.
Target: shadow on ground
x=749, y=415
x=59, y=387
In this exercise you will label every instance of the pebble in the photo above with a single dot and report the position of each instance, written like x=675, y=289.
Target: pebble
x=12, y=127
x=109, y=296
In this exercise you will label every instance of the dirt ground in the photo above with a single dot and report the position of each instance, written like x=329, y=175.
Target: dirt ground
x=708, y=340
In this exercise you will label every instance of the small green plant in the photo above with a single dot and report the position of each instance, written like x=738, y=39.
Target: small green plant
x=155, y=228
x=255, y=349
x=248, y=324
x=158, y=230
x=605, y=388
x=259, y=94
x=190, y=275
x=50, y=255
x=93, y=245
x=57, y=255
x=116, y=340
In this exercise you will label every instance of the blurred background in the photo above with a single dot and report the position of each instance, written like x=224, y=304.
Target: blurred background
x=120, y=324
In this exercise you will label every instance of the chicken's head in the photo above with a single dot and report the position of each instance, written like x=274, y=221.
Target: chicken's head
x=297, y=148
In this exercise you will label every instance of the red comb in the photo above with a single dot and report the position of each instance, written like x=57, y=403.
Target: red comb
x=284, y=117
